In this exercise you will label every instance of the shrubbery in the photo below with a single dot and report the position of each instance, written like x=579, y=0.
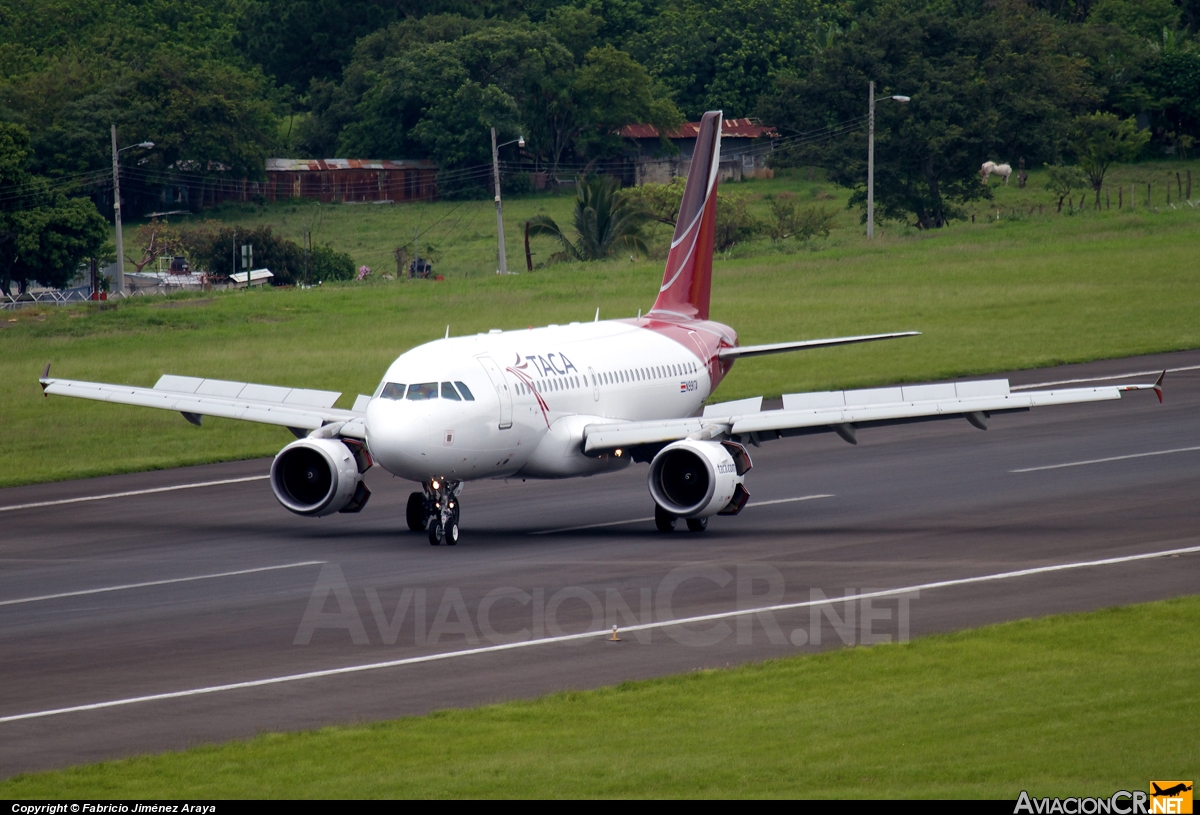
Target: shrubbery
x=212, y=248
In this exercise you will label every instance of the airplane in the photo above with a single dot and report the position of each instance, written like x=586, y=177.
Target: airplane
x=573, y=400
x=1170, y=792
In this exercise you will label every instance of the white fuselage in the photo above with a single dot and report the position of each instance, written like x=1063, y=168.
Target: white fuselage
x=530, y=393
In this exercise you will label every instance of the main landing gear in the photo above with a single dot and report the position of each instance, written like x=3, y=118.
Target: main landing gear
x=665, y=521
x=435, y=511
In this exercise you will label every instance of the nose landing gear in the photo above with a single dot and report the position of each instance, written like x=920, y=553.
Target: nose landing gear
x=436, y=511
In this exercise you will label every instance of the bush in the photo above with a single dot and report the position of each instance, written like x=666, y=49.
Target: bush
x=789, y=221
x=328, y=264
x=734, y=221
x=212, y=247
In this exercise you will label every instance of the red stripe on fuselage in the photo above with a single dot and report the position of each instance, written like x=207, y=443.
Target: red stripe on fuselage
x=703, y=338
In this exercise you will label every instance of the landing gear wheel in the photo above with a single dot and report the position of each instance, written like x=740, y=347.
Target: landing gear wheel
x=450, y=537
x=663, y=520
x=435, y=532
x=697, y=524
x=415, y=512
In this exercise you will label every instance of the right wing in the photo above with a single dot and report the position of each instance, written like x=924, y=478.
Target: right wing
x=298, y=409
x=844, y=411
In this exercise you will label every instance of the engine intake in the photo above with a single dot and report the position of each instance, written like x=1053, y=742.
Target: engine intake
x=695, y=479
x=318, y=477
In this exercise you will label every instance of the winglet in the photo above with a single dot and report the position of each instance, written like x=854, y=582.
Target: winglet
x=45, y=380
x=1157, y=387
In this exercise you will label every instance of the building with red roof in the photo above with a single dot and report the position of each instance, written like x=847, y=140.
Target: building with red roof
x=745, y=145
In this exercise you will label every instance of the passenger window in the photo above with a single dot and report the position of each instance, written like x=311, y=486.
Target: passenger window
x=392, y=390
x=448, y=392
x=465, y=391
x=426, y=390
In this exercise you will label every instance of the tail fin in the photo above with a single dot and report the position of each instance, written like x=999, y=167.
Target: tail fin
x=688, y=276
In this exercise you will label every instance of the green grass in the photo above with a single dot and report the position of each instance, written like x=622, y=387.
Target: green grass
x=1073, y=705
x=990, y=296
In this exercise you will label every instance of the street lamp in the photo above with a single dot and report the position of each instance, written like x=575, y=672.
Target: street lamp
x=520, y=142
x=117, y=205
x=871, y=156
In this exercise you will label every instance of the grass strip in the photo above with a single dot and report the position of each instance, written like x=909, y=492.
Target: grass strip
x=1015, y=293
x=1070, y=705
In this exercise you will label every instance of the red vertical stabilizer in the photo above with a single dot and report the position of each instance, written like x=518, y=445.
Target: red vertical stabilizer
x=688, y=276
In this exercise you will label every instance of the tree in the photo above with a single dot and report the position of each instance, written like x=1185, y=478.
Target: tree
x=44, y=235
x=155, y=239
x=713, y=54
x=436, y=86
x=985, y=86
x=605, y=221
x=1063, y=180
x=1100, y=139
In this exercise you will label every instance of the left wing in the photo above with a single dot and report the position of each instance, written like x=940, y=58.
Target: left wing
x=298, y=409
x=843, y=412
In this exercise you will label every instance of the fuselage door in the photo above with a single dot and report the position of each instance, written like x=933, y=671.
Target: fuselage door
x=503, y=392
x=595, y=385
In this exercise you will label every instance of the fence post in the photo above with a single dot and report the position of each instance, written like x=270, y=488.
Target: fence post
x=1189, y=195
x=1107, y=201
x=1120, y=197
x=1147, y=195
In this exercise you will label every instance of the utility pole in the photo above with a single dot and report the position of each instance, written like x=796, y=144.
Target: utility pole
x=871, y=161
x=871, y=156
x=499, y=210
x=120, y=282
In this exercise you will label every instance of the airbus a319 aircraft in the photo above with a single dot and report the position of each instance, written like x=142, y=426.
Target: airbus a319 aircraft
x=569, y=400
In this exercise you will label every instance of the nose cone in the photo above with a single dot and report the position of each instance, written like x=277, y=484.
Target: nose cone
x=398, y=437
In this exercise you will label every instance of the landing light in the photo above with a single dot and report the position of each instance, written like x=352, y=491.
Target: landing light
x=617, y=452
x=436, y=485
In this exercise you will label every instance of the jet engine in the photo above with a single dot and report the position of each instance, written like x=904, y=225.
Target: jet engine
x=696, y=479
x=318, y=477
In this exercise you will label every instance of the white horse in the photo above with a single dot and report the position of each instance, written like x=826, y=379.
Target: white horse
x=990, y=167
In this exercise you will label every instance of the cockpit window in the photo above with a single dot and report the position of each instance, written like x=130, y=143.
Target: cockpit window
x=392, y=390
x=448, y=392
x=465, y=391
x=425, y=390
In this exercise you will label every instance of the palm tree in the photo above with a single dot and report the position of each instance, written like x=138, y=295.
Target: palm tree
x=605, y=220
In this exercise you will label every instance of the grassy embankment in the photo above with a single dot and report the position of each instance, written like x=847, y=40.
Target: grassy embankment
x=994, y=295
x=1073, y=705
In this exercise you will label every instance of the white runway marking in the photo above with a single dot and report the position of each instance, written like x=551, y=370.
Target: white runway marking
x=1103, y=460
x=489, y=649
x=785, y=500
x=135, y=492
x=651, y=518
x=1103, y=378
x=160, y=582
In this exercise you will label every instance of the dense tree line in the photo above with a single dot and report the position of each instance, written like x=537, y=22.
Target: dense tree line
x=218, y=85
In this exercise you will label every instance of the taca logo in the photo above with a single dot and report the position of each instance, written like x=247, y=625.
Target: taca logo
x=553, y=363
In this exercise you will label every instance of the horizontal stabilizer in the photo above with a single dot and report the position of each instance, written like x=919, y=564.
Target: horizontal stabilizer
x=803, y=345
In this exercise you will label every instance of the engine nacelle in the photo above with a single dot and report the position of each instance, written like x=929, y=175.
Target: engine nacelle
x=318, y=477
x=695, y=479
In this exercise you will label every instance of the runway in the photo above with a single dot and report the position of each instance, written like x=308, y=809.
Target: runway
x=156, y=611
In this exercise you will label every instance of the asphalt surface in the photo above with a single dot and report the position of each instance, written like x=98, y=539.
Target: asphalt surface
x=906, y=507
